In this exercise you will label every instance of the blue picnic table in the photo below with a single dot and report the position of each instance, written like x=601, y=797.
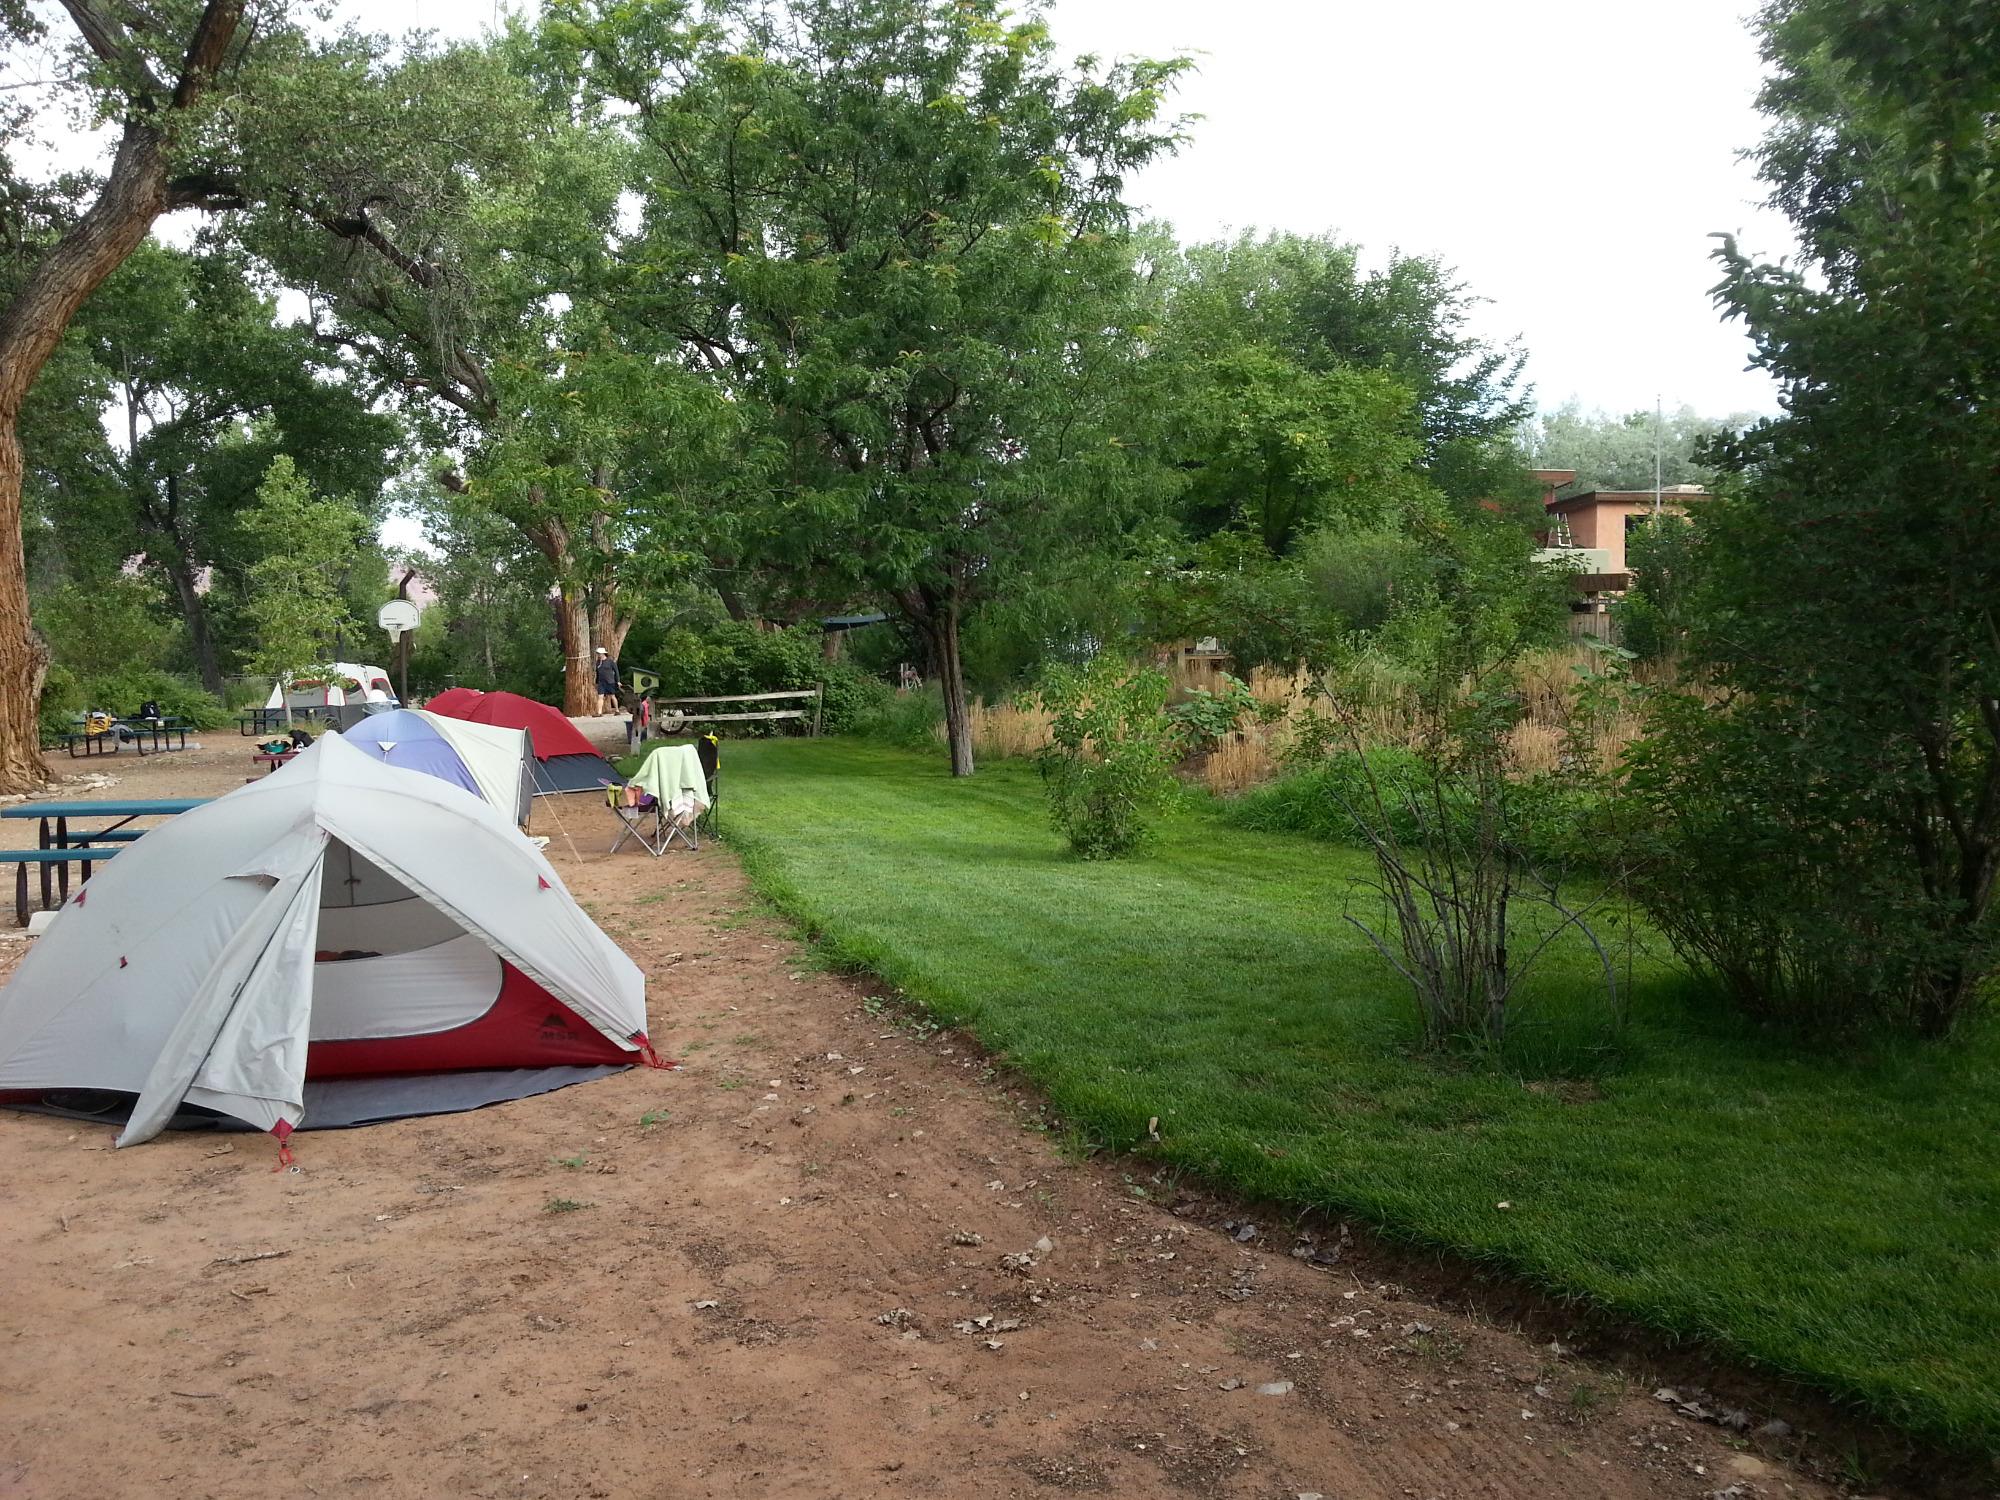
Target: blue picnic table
x=59, y=845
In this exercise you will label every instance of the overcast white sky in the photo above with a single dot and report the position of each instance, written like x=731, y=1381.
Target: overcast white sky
x=1570, y=157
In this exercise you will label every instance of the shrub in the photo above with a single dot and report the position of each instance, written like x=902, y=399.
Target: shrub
x=1109, y=762
x=1451, y=869
x=1318, y=800
x=1209, y=718
x=122, y=692
x=1786, y=879
x=910, y=720
x=62, y=700
x=734, y=657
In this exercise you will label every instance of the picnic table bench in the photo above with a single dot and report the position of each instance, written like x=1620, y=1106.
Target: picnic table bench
x=61, y=846
x=49, y=861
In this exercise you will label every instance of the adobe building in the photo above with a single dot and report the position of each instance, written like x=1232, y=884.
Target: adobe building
x=1589, y=532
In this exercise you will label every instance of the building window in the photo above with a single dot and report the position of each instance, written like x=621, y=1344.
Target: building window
x=1633, y=523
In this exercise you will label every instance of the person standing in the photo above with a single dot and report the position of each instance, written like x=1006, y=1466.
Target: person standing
x=607, y=682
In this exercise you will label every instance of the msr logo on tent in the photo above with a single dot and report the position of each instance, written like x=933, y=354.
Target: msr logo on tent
x=556, y=1028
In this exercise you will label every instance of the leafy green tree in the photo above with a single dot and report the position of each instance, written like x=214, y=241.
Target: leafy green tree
x=459, y=234
x=1286, y=450
x=894, y=233
x=1849, y=582
x=298, y=600
x=213, y=388
x=1308, y=299
x=1616, y=452
x=156, y=79
x=1655, y=615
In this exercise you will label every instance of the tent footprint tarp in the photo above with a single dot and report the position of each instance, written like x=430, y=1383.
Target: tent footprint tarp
x=344, y=918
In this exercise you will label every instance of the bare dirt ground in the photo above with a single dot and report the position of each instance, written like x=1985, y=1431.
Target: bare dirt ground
x=829, y=1256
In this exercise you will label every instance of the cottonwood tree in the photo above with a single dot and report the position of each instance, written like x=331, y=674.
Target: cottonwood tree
x=213, y=387
x=458, y=249
x=895, y=233
x=153, y=70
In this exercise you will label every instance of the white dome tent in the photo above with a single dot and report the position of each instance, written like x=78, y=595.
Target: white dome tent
x=343, y=923
x=328, y=687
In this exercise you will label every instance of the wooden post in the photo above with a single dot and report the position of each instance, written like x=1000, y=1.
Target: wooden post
x=819, y=696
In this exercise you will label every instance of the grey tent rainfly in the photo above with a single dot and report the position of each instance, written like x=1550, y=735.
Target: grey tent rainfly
x=343, y=927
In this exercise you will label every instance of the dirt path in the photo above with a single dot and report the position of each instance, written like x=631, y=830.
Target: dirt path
x=828, y=1257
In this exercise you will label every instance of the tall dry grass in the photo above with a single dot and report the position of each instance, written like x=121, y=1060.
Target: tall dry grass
x=1004, y=731
x=1380, y=705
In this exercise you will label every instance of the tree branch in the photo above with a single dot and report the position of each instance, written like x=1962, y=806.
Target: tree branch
x=106, y=35
x=212, y=35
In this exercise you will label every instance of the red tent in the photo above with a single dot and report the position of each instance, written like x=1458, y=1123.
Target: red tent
x=565, y=760
x=455, y=703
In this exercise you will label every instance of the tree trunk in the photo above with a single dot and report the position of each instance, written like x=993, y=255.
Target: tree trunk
x=573, y=631
x=32, y=325
x=195, y=612
x=940, y=624
x=24, y=659
x=30, y=328
x=608, y=628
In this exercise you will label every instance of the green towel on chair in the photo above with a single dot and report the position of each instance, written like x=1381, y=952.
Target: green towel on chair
x=672, y=773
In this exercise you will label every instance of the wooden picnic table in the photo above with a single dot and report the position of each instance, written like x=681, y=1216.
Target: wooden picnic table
x=272, y=759
x=137, y=731
x=59, y=845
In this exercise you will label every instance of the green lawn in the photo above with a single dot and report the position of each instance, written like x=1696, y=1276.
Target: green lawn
x=1836, y=1219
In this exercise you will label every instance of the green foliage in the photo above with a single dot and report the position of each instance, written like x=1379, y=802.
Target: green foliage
x=99, y=627
x=909, y=721
x=123, y=690
x=119, y=691
x=1354, y=575
x=1262, y=608
x=1653, y=618
x=1554, y=821
x=1205, y=986
x=1286, y=449
x=1208, y=718
x=1616, y=452
x=1308, y=301
x=1109, y=764
x=1319, y=801
x=298, y=603
x=1845, y=614
x=1788, y=885
x=731, y=657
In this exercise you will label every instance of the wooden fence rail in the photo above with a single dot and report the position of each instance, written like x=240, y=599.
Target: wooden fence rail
x=664, y=706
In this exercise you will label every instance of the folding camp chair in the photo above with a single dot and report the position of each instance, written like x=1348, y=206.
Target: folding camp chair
x=649, y=822
x=709, y=748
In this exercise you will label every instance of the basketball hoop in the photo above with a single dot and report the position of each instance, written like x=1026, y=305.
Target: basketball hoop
x=398, y=617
